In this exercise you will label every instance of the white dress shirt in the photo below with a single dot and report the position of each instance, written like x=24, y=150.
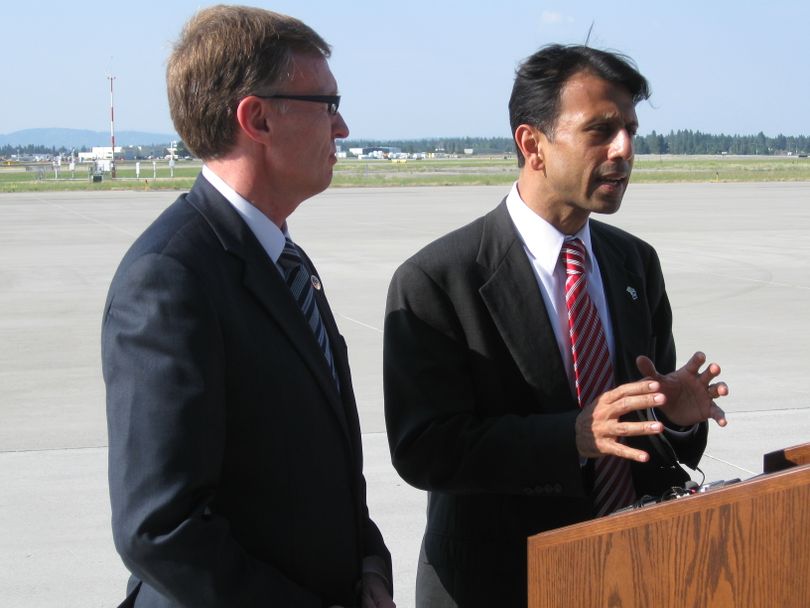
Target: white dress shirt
x=270, y=236
x=542, y=243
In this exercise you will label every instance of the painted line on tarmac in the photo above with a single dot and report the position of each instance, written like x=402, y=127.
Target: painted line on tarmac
x=56, y=449
x=366, y=325
x=731, y=464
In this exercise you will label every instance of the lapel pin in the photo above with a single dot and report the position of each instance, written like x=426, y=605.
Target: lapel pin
x=632, y=292
x=316, y=282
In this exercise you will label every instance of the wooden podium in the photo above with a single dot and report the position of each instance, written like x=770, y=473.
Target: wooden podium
x=743, y=545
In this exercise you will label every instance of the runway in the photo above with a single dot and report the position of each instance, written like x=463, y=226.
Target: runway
x=736, y=258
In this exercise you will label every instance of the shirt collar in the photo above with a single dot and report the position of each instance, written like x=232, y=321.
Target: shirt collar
x=270, y=236
x=542, y=240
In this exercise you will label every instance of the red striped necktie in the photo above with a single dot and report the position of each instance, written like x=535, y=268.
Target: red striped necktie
x=593, y=370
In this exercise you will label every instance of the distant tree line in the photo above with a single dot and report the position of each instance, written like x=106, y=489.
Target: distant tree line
x=695, y=142
x=136, y=152
x=7, y=150
x=676, y=142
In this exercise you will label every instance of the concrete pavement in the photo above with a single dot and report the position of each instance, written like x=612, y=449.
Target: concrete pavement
x=736, y=258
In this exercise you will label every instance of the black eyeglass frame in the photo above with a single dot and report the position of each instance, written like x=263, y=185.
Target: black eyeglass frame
x=332, y=101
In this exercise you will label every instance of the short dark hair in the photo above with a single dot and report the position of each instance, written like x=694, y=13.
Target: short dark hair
x=224, y=54
x=540, y=79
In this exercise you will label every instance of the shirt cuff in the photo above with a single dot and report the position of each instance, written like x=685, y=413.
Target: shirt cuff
x=374, y=564
x=673, y=429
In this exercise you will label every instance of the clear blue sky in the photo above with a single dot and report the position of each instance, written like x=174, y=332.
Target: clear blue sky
x=409, y=69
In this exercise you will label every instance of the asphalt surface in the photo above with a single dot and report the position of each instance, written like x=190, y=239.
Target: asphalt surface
x=736, y=258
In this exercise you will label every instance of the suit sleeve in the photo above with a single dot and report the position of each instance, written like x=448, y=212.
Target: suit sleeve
x=374, y=545
x=444, y=433
x=163, y=367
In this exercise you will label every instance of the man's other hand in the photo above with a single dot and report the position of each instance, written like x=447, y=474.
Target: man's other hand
x=689, y=392
x=374, y=593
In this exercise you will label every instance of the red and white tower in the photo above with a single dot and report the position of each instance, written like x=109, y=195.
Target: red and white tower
x=112, y=127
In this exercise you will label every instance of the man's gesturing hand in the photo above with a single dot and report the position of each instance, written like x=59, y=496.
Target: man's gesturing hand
x=598, y=428
x=689, y=392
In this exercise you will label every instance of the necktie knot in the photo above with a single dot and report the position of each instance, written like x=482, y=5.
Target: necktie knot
x=290, y=258
x=574, y=255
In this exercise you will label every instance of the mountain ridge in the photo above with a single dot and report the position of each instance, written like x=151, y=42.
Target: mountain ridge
x=58, y=137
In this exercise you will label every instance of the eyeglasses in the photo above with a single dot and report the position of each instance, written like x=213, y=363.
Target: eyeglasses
x=332, y=101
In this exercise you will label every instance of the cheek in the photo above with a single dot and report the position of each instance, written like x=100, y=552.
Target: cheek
x=568, y=172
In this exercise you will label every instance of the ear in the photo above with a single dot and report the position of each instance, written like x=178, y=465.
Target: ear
x=531, y=143
x=253, y=119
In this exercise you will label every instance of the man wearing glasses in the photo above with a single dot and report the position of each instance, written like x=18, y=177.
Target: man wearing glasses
x=235, y=461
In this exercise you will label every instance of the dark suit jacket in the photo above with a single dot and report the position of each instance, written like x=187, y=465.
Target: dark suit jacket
x=235, y=465
x=478, y=407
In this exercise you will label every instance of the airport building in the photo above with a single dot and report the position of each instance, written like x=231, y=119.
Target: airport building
x=99, y=153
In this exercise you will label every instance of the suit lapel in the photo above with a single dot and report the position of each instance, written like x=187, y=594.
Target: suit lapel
x=340, y=355
x=624, y=293
x=263, y=280
x=516, y=306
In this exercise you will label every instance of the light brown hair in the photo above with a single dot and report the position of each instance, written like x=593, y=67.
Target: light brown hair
x=224, y=54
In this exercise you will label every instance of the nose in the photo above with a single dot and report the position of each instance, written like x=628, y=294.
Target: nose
x=340, y=130
x=622, y=145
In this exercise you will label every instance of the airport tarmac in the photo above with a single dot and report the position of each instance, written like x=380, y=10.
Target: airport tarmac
x=736, y=258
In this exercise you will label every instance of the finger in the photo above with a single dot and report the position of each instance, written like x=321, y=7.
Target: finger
x=710, y=373
x=616, y=448
x=646, y=366
x=634, y=429
x=625, y=398
x=718, y=415
x=717, y=390
x=694, y=363
x=633, y=403
x=367, y=601
x=380, y=597
x=631, y=389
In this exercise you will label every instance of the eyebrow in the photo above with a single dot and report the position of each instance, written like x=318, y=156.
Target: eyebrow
x=611, y=117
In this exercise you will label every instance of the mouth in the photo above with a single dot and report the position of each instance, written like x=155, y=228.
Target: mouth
x=612, y=182
x=614, y=176
x=613, y=179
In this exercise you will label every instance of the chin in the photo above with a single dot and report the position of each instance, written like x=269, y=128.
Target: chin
x=607, y=207
x=327, y=180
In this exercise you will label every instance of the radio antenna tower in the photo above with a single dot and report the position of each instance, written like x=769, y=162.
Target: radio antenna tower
x=112, y=127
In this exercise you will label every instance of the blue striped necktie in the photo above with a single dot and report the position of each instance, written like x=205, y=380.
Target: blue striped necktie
x=300, y=281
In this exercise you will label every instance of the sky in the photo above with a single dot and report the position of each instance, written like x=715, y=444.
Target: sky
x=412, y=69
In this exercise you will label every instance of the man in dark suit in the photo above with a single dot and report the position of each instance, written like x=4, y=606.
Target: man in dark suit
x=486, y=396
x=235, y=461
